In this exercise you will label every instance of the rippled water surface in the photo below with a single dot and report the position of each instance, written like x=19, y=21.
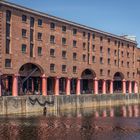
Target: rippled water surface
x=117, y=123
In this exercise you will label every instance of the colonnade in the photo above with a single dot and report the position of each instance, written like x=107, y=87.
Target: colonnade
x=78, y=86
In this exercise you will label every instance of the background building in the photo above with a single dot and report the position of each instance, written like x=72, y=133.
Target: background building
x=44, y=54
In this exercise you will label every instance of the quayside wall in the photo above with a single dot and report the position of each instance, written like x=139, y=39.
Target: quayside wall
x=37, y=103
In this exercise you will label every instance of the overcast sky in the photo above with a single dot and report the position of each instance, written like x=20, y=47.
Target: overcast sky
x=119, y=17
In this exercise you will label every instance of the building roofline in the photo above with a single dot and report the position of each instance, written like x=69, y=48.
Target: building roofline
x=63, y=20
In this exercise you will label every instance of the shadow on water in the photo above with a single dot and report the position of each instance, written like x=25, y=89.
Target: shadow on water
x=117, y=123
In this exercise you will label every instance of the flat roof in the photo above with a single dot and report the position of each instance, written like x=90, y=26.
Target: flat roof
x=13, y=5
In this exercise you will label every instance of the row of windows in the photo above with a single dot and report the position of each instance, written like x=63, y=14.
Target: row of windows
x=64, y=56
x=64, y=68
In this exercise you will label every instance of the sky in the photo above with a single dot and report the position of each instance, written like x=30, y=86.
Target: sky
x=120, y=17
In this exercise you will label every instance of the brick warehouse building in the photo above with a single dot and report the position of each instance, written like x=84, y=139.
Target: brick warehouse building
x=43, y=54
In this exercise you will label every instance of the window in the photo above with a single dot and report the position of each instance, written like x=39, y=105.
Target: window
x=64, y=68
x=39, y=51
x=108, y=72
x=84, y=57
x=127, y=45
x=24, y=31
x=122, y=63
x=39, y=36
x=64, y=28
x=8, y=16
x=31, y=34
x=52, y=39
x=39, y=22
x=32, y=21
x=93, y=36
x=128, y=54
x=128, y=64
x=115, y=52
x=52, y=52
x=101, y=49
x=93, y=48
x=108, y=50
x=7, y=46
x=115, y=62
x=101, y=72
x=108, y=40
x=101, y=38
x=64, y=54
x=7, y=63
x=115, y=42
x=23, y=49
x=133, y=74
x=74, y=43
x=93, y=59
x=84, y=34
x=74, y=31
x=84, y=46
x=88, y=36
x=128, y=75
x=108, y=61
x=52, y=67
x=122, y=53
x=52, y=25
x=7, y=30
x=63, y=41
x=74, y=69
x=74, y=56
x=101, y=60
x=122, y=44
x=24, y=18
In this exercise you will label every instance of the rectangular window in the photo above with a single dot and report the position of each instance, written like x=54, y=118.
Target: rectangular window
x=128, y=54
x=8, y=63
x=128, y=75
x=88, y=36
x=63, y=41
x=101, y=38
x=39, y=36
x=93, y=48
x=84, y=46
x=84, y=57
x=24, y=18
x=23, y=49
x=101, y=60
x=52, y=39
x=108, y=61
x=84, y=34
x=101, y=49
x=128, y=64
x=101, y=72
x=7, y=30
x=108, y=50
x=74, y=31
x=24, y=31
x=64, y=54
x=64, y=28
x=39, y=22
x=52, y=67
x=122, y=63
x=115, y=62
x=115, y=43
x=74, y=43
x=122, y=53
x=7, y=46
x=32, y=22
x=8, y=16
x=115, y=52
x=109, y=40
x=93, y=59
x=52, y=25
x=64, y=68
x=74, y=69
x=39, y=51
x=74, y=56
x=52, y=52
x=93, y=36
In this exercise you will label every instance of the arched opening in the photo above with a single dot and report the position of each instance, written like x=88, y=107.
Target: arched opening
x=118, y=86
x=30, y=79
x=87, y=78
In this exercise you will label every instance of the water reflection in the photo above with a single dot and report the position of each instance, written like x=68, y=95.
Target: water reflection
x=120, y=122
